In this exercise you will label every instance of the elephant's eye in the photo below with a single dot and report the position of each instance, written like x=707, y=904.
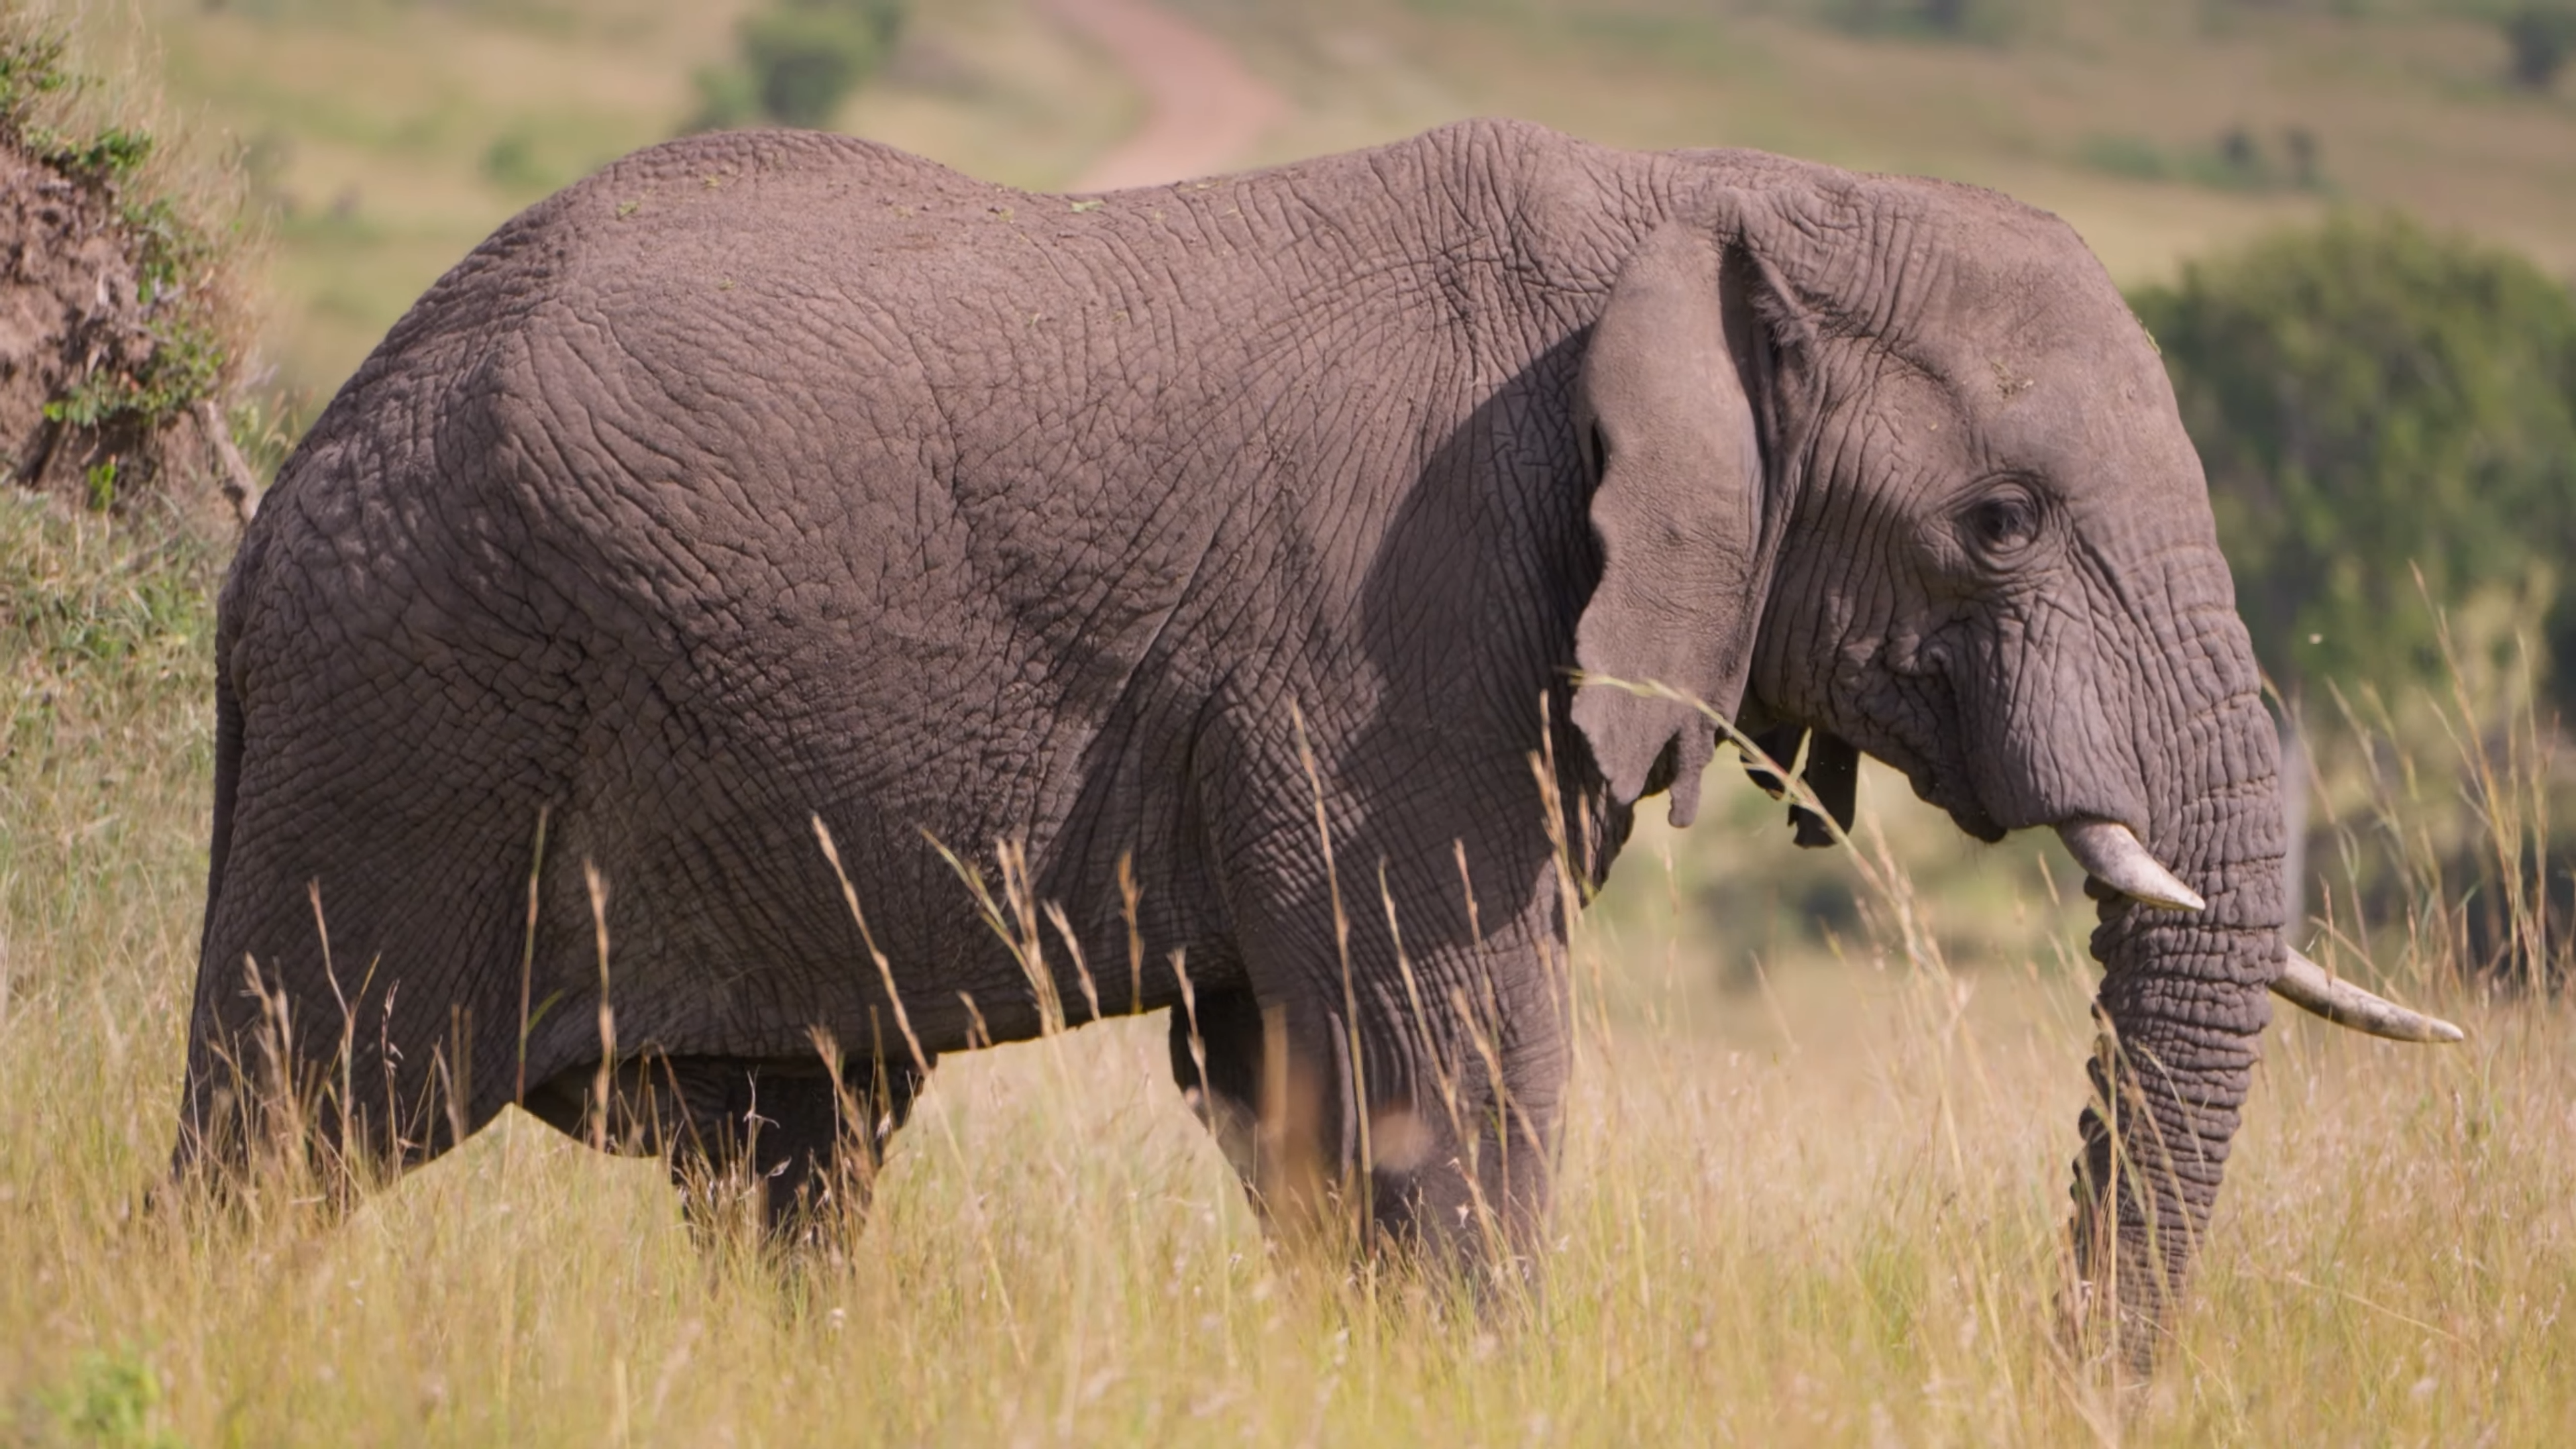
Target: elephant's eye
x=2003, y=522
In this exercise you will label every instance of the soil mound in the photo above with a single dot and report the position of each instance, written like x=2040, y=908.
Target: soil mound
x=112, y=325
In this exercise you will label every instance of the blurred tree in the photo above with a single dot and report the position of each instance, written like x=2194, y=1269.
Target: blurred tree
x=2237, y=160
x=2307, y=170
x=1986, y=20
x=2369, y=398
x=800, y=61
x=2541, y=36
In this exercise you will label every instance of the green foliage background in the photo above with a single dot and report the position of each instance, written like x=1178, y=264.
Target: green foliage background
x=2372, y=398
x=800, y=61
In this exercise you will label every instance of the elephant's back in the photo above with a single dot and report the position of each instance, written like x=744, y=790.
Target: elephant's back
x=674, y=453
x=683, y=320
x=639, y=236
x=745, y=392
x=782, y=375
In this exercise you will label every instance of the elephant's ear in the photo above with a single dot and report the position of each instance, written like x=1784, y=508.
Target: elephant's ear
x=1667, y=404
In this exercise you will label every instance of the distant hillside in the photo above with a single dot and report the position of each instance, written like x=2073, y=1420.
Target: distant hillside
x=386, y=137
x=2159, y=127
x=389, y=135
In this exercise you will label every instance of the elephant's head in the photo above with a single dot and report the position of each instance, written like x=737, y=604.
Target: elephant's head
x=1892, y=462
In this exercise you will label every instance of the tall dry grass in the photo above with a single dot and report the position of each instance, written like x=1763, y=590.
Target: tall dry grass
x=1820, y=1204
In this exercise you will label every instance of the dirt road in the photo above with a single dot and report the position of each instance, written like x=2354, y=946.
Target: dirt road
x=1205, y=111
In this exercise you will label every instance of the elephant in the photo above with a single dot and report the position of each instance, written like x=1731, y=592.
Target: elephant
x=674, y=677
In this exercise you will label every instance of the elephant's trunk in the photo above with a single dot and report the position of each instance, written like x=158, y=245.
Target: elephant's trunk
x=2184, y=1000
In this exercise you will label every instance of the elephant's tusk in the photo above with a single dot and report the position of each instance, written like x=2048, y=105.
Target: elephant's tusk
x=2305, y=984
x=2112, y=855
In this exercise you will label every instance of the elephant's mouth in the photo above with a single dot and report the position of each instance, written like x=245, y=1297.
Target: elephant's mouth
x=1972, y=817
x=1944, y=786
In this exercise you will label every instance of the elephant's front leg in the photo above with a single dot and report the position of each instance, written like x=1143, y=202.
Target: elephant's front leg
x=1434, y=1126
x=1391, y=1025
x=1463, y=1131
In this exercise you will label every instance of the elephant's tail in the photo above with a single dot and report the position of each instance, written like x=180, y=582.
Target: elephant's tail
x=230, y=604
x=228, y=758
x=197, y=1111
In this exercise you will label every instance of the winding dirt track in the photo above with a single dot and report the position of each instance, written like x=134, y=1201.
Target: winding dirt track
x=1205, y=111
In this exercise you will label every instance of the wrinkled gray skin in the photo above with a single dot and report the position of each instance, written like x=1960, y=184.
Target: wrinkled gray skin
x=769, y=475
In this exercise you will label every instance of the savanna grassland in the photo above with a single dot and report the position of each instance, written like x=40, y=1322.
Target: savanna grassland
x=1816, y=1164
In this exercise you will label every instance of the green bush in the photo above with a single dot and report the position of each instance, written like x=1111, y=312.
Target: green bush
x=2238, y=159
x=800, y=61
x=114, y=1401
x=2541, y=37
x=512, y=163
x=1983, y=20
x=2371, y=398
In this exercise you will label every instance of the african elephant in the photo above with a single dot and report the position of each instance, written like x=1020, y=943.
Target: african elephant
x=745, y=545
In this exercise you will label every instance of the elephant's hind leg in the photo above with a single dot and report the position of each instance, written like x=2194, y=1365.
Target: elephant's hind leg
x=1217, y=1060
x=779, y=1135
x=339, y=1012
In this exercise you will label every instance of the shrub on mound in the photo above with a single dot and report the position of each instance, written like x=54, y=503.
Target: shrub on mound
x=116, y=321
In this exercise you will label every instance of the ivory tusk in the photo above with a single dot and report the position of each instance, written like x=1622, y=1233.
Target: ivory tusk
x=2111, y=854
x=2305, y=984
